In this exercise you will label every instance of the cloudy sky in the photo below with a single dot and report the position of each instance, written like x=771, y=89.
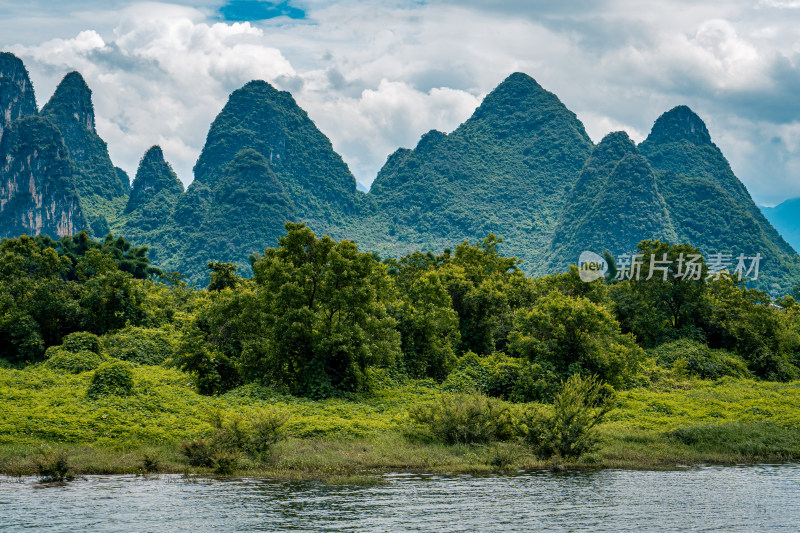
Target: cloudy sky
x=375, y=76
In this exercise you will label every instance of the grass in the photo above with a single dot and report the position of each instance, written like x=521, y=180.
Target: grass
x=729, y=421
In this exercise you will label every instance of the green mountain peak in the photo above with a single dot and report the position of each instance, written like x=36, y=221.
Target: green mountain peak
x=505, y=170
x=71, y=109
x=261, y=118
x=614, y=205
x=72, y=98
x=153, y=177
x=17, y=98
x=677, y=124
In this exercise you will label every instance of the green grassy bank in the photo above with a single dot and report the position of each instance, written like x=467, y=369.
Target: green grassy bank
x=45, y=413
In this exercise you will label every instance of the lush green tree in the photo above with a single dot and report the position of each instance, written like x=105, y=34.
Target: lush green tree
x=223, y=276
x=486, y=289
x=110, y=299
x=37, y=306
x=667, y=301
x=743, y=321
x=129, y=258
x=428, y=327
x=575, y=335
x=327, y=312
x=215, y=372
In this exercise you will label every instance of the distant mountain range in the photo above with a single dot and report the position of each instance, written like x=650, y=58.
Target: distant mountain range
x=786, y=219
x=522, y=167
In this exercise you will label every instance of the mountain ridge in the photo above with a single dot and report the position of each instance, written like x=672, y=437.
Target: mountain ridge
x=521, y=166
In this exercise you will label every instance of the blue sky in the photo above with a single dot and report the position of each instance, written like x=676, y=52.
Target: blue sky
x=376, y=75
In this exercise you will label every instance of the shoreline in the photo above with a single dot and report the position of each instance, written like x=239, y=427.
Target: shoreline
x=367, y=460
x=724, y=422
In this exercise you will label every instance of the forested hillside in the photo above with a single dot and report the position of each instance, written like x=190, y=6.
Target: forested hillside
x=521, y=167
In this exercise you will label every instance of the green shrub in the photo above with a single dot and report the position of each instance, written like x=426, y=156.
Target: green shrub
x=150, y=463
x=59, y=358
x=198, y=453
x=111, y=379
x=232, y=438
x=692, y=358
x=224, y=462
x=267, y=430
x=466, y=419
x=503, y=376
x=53, y=466
x=568, y=431
x=82, y=341
x=145, y=346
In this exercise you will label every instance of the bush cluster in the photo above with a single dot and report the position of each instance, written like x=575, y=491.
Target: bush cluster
x=111, y=379
x=502, y=376
x=235, y=437
x=74, y=362
x=458, y=418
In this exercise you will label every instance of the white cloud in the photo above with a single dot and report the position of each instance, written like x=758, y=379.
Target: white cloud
x=374, y=76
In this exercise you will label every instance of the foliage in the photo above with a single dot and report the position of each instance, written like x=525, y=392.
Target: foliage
x=326, y=318
x=695, y=359
x=575, y=335
x=53, y=466
x=428, y=326
x=73, y=361
x=223, y=276
x=109, y=299
x=215, y=372
x=236, y=436
x=145, y=346
x=656, y=309
x=742, y=321
x=459, y=418
x=129, y=258
x=502, y=376
x=484, y=287
x=112, y=378
x=45, y=296
x=80, y=341
x=569, y=431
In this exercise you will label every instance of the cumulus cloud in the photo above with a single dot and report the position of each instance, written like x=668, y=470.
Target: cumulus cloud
x=161, y=80
x=376, y=75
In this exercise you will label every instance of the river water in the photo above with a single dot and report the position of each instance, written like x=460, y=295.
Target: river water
x=751, y=498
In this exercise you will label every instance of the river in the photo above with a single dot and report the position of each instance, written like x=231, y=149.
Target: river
x=748, y=498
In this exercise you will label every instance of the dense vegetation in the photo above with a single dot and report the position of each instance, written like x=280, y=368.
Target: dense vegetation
x=521, y=167
x=506, y=170
x=458, y=348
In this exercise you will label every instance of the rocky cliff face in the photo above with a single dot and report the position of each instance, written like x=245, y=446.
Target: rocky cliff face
x=70, y=108
x=17, y=98
x=37, y=191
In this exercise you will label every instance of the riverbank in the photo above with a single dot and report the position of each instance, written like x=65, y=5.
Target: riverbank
x=47, y=414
